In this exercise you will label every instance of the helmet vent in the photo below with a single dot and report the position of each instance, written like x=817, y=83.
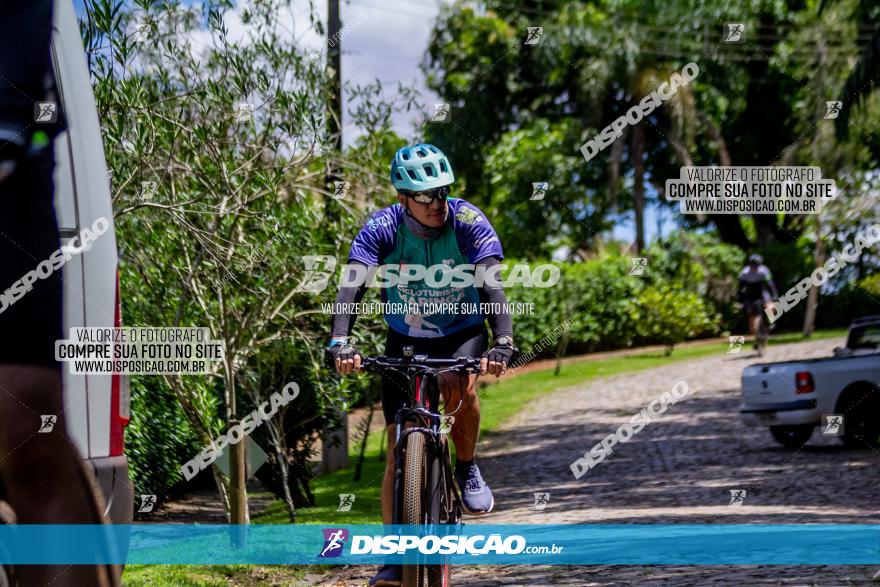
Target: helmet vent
x=443, y=167
x=398, y=176
x=405, y=155
x=422, y=153
x=412, y=174
x=429, y=170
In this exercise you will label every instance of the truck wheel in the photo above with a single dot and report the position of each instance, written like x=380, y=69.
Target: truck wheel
x=792, y=436
x=861, y=423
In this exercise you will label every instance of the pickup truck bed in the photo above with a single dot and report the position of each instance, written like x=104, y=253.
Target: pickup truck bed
x=794, y=397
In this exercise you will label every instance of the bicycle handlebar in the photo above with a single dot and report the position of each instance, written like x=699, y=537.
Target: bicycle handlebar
x=378, y=364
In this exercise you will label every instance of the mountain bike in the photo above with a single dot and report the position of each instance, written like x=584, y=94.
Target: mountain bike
x=424, y=491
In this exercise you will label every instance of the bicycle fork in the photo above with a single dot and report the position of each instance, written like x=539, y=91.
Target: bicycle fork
x=440, y=476
x=402, y=432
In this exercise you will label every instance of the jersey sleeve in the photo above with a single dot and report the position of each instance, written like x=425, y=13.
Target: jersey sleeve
x=476, y=237
x=771, y=285
x=375, y=239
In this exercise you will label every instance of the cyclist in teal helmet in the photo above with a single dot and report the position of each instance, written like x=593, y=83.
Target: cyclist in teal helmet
x=428, y=227
x=419, y=168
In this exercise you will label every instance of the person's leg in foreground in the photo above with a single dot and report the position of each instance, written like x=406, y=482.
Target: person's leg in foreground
x=476, y=496
x=43, y=475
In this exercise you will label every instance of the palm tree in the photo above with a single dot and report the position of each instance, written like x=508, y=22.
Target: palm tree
x=861, y=81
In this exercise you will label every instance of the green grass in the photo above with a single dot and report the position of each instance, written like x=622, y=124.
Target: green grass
x=210, y=576
x=789, y=337
x=499, y=401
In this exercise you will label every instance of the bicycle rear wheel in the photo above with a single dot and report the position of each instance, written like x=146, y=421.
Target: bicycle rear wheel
x=414, y=485
x=762, y=336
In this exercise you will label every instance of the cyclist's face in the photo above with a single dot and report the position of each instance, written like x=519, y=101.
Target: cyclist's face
x=433, y=214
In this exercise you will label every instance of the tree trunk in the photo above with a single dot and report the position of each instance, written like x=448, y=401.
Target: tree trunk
x=222, y=489
x=288, y=497
x=237, y=471
x=238, y=495
x=639, y=185
x=334, y=445
x=813, y=294
x=204, y=434
x=560, y=352
x=614, y=168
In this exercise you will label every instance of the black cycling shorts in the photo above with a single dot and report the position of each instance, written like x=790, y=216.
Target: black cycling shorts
x=30, y=321
x=755, y=307
x=469, y=342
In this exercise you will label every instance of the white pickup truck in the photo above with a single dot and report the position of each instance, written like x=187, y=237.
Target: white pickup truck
x=794, y=397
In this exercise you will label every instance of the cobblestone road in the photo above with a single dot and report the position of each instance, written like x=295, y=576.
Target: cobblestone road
x=678, y=469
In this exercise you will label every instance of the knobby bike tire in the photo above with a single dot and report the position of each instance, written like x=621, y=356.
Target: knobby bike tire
x=414, y=484
x=440, y=504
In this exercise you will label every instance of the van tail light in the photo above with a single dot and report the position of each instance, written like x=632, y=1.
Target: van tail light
x=803, y=382
x=120, y=399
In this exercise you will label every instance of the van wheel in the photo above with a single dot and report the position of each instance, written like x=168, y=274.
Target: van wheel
x=792, y=436
x=861, y=423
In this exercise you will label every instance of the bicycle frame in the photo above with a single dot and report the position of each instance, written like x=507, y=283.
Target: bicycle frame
x=422, y=415
x=433, y=498
x=424, y=395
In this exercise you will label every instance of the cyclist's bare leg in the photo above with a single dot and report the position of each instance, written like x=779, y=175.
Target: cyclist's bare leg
x=466, y=426
x=754, y=324
x=43, y=474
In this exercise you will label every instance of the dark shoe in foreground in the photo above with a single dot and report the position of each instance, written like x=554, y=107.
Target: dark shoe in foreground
x=388, y=576
x=476, y=496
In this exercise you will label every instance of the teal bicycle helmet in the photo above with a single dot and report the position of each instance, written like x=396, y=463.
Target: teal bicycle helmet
x=420, y=167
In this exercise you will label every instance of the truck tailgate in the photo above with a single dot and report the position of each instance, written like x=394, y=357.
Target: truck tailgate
x=770, y=383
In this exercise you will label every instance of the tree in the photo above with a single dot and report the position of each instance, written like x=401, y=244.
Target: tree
x=670, y=314
x=226, y=132
x=862, y=80
x=744, y=108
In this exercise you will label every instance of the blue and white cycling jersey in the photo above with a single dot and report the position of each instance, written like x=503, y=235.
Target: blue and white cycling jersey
x=467, y=238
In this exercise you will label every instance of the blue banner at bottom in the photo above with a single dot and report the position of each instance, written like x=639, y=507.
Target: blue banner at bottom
x=589, y=544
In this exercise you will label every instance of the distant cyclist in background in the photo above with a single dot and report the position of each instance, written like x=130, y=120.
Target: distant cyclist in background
x=756, y=292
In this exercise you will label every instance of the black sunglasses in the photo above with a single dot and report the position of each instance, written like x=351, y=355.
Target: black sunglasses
x=428, y=196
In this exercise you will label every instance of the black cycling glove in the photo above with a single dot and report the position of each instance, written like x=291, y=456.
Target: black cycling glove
x=341, y=350
x=500, y=354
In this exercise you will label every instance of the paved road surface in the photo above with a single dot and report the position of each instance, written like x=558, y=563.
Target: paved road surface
x=678, y=469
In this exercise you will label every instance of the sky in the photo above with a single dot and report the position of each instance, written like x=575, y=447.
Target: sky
x=387, y=40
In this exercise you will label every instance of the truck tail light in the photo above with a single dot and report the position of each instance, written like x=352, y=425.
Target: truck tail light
x=120, y=399
x=803, y=382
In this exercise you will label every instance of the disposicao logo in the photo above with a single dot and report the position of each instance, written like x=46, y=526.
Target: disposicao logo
x=334, y=540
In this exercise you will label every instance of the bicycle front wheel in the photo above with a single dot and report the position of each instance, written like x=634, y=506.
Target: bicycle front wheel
x=414, y=484
x=440, y=499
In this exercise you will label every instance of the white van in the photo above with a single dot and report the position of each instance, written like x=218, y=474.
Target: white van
x=96, y=406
